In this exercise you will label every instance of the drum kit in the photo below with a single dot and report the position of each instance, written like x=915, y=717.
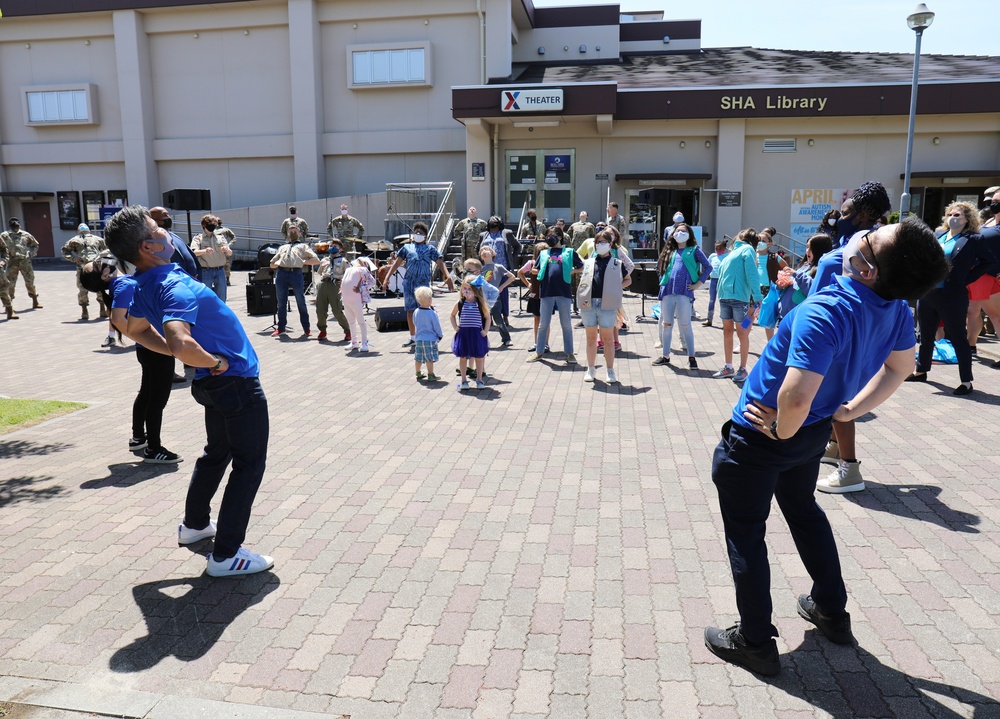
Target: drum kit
x=380, y=255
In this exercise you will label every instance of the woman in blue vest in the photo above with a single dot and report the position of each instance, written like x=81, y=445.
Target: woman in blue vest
x=948, y=303
x=683, y=268
x=599, y=298
x=555, y=270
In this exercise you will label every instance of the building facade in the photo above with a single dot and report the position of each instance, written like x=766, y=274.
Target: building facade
x=268, y=102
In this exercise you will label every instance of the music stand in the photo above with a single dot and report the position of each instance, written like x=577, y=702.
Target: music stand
x=264, y=256
x=644, y=286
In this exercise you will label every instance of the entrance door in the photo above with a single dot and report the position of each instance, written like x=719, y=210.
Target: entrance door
x=38, y=222
x=545, y=175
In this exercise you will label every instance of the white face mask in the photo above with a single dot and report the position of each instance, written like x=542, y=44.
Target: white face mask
x=681, y=237
x=678, y=218
x=603, y=248
x=420, y=238
x=854, y=261
x=344, y=213
x=832, y=222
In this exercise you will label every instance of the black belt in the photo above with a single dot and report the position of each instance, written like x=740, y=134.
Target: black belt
x=290, y=269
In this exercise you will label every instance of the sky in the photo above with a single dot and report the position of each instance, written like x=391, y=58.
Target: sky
x=960, y=27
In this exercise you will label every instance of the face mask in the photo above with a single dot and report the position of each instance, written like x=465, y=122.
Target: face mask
x=832, y=222
x=854, y=259
x=681, y=237
x=344, y=213
x=334, y=250
x=678, y=218
x=956, y=223
x=168, y=248
x=847, y=226
x=603, y=248
x=995, y=208
x=110, y=262
x=552, y=240
x=420, y=238
x=493, y=228
x=210, y=228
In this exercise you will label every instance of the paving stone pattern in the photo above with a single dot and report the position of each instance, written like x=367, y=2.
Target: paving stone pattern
x=543, y=547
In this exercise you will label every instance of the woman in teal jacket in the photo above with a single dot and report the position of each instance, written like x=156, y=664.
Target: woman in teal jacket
x=738, y=288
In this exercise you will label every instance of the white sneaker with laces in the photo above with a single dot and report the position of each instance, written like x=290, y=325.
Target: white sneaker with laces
x=845, y=478
x=832, y=454
x=186, y=535
x=588, y=376
x=245, y=562
x=612, y=377
x=364, y=347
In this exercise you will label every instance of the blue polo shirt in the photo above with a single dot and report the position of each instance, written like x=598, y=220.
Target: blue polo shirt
x=168, y=293
x=122, y=290
x=844, y=332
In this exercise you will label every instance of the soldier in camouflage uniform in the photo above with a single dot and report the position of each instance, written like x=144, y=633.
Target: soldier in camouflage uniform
x=618, y=222
x=469, y=230
x=532, y=228
x=4, y=283
x=346, y=228
x=294, y=219
x=21, y=247
x=80, y=250
x=581, y=231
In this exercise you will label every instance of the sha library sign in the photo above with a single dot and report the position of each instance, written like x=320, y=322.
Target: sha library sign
x=772, y=102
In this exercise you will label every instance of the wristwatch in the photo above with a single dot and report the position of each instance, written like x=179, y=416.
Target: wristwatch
x=218, y=364
x=774, y=430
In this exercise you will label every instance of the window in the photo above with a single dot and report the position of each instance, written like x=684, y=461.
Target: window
x=60, y=105
x=375, y=66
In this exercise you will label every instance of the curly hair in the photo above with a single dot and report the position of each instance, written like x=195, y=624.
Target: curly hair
x=871, y=198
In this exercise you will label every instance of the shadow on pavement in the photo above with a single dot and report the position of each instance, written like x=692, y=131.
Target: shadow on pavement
x=865, y=687
x=128, y=474
x=914, y=501
x=186, y=617
x=21, y=489
x=18, y=448
x=619, y=388
x=977, y=395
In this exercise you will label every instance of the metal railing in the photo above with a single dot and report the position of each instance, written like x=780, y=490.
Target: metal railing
x=430, y=202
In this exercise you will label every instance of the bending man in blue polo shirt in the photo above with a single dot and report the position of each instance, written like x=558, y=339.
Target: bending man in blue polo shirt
x=175, y=314
x=842, y=353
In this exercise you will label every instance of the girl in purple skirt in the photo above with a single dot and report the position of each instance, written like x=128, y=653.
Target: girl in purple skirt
x=471, y=320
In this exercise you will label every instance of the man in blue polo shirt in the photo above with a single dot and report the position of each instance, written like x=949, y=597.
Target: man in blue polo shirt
x=201, y=331
x=842, y=352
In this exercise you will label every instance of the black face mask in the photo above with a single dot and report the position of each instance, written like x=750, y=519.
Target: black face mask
x=552, y=240
x=995, y=208
x=847, y=226
x=167, y=223
x=493, y=228
x=210, y=228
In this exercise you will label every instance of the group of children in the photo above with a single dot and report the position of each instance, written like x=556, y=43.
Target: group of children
x=477, y=309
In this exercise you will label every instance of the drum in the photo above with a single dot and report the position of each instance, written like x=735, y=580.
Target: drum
x=321, y=247
x=266, y=253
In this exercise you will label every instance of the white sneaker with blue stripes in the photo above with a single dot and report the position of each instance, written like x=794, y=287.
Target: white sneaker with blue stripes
x=244, y=562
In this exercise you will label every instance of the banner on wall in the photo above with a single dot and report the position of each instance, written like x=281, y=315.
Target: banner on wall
x=808, y=207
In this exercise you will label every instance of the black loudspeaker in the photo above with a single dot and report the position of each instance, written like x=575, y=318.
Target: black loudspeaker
x=188, y=199
x=644, y=254
x=261, y=299
x=390, y=319
x=645, y=280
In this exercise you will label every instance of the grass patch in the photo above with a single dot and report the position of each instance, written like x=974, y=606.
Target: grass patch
x=21, y=413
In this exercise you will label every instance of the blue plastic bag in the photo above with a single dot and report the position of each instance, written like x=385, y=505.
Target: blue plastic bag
x=768, y=316
x=944, y=353
x=656, y=311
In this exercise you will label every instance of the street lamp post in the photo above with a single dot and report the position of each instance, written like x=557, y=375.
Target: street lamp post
x=918, y=21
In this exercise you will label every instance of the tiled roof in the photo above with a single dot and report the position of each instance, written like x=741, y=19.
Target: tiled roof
x=747, y=66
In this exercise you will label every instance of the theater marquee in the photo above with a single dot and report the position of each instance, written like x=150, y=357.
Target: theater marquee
x=512, y=101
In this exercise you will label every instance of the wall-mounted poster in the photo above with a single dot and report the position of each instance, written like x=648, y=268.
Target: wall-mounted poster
x=118, y=198
x=92, y=201
x=69, y=209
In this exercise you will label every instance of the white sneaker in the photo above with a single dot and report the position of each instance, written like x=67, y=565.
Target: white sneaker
x=658, y=344
x=588, y=376
x=244, y=562
x=845, y=478
x=611, y=376
x=186, y=535
x=364, y=347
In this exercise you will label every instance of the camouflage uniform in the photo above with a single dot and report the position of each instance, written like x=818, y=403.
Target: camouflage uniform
x=469, y=230
x=298, y=222
x=348, y=230
x=22, y=246
x=5, y=283
x=533, y=231
x=619, y=223
x=230, y=237
x=80, y=250
x=579, y=232
x=328, y=297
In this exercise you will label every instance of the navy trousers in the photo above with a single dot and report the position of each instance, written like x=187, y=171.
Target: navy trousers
x=748, y=469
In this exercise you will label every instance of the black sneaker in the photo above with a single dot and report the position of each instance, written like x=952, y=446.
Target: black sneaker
x=729, y=645
x=660, y=361
x=160, y=456
x=836, y=629
x=692, y=363
x=136, y=444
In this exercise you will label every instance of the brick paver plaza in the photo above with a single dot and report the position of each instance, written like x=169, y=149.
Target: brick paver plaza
x=540, y=548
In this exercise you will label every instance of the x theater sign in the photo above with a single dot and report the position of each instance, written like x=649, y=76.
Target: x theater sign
x=531, y=100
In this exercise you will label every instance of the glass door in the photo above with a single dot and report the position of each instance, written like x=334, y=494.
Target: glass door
x=546, y=179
